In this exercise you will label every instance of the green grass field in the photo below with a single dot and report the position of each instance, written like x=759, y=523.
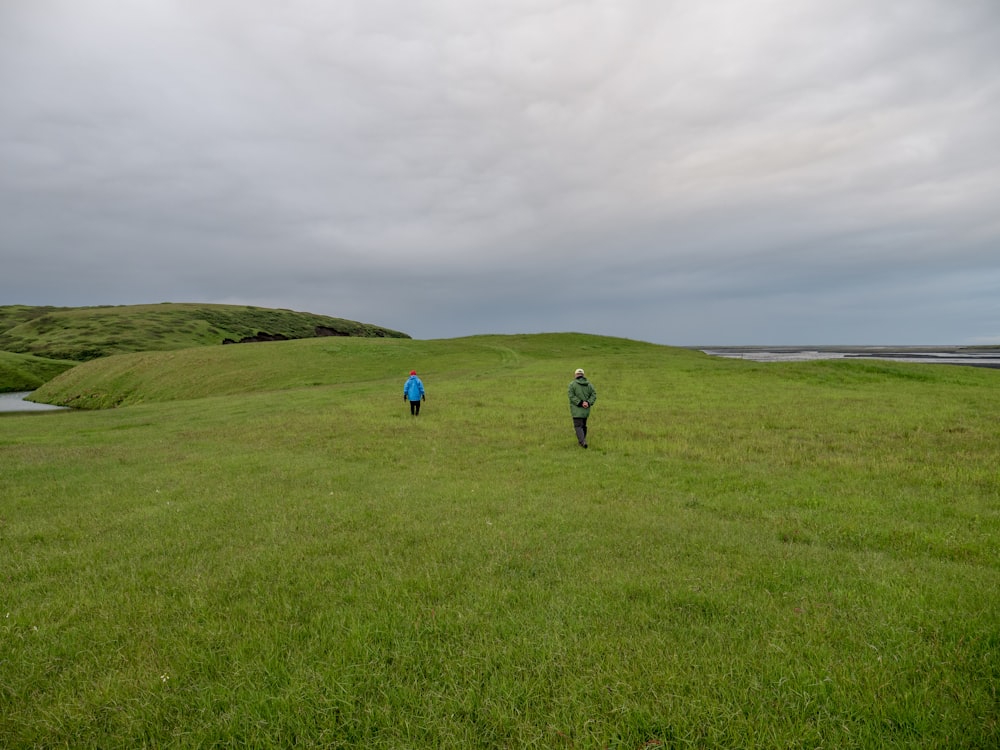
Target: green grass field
x=261, y=548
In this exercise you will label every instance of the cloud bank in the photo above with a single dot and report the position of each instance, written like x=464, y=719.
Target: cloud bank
x=726, y=172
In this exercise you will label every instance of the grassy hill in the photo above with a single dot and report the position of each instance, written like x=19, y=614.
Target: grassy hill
x=25, y=372
x=260, y=547
x=14, y=315
x=85, y=333
x=201, y=372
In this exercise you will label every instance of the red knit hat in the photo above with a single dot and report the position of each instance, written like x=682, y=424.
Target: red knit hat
x=413, y=372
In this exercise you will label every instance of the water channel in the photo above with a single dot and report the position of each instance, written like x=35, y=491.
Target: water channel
x=16, y=402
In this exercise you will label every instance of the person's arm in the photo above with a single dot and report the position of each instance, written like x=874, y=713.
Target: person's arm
x=574, y=397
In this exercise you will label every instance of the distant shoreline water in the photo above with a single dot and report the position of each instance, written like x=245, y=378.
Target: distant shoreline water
x=940, y=355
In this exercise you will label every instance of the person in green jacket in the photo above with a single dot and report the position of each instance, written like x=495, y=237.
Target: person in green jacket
x=581, y=397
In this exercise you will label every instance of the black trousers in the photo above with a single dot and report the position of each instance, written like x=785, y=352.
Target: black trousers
x=580, y=426
x=414, y=408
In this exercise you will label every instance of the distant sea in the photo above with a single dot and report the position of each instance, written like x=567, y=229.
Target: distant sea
x=937, y=355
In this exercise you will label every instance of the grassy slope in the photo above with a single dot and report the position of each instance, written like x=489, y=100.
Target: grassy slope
x=14, y=315
x=85, y=333
x=793, y=555
x=24, y=372
x=196, y=373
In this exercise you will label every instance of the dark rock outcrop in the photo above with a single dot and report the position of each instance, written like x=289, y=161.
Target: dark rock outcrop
x=318, y=332
x=327, y=331
x=261, y=336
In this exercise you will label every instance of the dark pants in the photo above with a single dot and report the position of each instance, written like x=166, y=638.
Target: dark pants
x=415, y=408
x=580, y=425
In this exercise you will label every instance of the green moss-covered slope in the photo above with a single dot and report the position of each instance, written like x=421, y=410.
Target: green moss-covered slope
x=86, y=333
x=25, y=372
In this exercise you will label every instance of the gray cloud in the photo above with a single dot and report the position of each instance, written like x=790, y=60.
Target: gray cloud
x=772, y=171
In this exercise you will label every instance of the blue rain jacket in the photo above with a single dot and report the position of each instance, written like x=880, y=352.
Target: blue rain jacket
x=413, y=389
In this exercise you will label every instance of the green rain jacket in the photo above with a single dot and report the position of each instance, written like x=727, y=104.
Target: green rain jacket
x=581, y=390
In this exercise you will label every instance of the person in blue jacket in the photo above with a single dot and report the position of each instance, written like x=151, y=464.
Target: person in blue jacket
x=413, y=391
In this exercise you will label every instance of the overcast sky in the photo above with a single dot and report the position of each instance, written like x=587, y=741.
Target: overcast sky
x=688, y=172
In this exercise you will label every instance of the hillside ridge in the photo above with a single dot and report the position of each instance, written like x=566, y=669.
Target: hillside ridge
x=81, y=334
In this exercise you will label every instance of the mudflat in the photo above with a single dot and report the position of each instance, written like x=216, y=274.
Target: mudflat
x=945, y=355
